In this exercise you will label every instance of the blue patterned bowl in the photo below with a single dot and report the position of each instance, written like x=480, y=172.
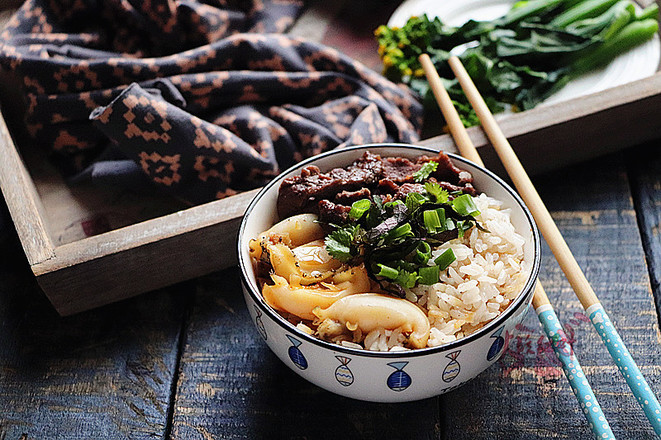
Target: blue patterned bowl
x=385, y=376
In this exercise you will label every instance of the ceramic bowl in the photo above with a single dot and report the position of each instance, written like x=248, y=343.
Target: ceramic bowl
x=385, y=376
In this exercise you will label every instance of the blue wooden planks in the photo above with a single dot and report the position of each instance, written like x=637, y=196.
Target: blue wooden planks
x=101, y=374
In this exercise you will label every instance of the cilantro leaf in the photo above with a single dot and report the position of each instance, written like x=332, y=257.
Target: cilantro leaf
x=406, y=279
x=438, y=193
x=424, y=171
x=413, y=201
x=338, y=243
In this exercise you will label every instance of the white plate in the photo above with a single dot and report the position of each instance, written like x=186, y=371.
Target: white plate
x=638, y=63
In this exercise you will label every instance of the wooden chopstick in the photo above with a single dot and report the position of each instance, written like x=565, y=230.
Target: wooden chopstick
x=561, y=251
x=547, y=316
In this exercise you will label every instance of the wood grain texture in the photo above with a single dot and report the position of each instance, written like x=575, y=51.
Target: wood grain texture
x=644, y=167
x=142, y=257
x=526, y=395
x=102, y=374
x=232, y=387
x=21, y=197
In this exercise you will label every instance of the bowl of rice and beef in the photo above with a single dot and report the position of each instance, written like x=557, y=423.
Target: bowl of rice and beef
x=388, y=272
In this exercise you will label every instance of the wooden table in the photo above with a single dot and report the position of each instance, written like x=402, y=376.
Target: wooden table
x=186, y=362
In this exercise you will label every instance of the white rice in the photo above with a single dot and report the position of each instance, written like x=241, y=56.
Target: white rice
x=487, y=275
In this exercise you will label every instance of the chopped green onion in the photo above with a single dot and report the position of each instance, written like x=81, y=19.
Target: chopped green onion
x=423, y=255
x=441, y=217
x=387, y=272
x=425, y=171
x=358, y=208
x=400, y=231
x=445, y=259
x=429, y=275
x=460, y=228
x=449, y=224
x=431, y=221
x=464, y=205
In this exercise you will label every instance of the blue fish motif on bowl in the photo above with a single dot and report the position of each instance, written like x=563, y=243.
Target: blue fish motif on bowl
x=497, y=346
x=342, y=373
x=453, y=368
x=295, y=354
x=399, y=380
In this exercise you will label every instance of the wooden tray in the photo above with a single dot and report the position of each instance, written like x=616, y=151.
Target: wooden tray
x=89, y=247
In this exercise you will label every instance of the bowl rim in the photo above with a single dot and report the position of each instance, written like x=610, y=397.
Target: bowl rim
x=521, y=299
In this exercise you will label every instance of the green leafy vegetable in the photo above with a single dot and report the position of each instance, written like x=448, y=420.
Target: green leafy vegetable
x=406, y=279
x=520, y=59
x=413, y=201
x=439, y=194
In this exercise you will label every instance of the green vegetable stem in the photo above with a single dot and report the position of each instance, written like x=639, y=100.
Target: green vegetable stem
x=629, y=37
x=528, y=9
x=585, y=9
x=607, y=24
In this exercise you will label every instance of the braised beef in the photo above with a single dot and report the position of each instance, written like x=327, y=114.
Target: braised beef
x=407, y=188
x=330, y=212
x=348, y=197
x=331, y=194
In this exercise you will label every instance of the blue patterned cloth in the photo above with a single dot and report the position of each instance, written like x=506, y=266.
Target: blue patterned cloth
x=202, y=99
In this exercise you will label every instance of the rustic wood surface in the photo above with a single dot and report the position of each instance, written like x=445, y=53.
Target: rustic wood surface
x=185, y=362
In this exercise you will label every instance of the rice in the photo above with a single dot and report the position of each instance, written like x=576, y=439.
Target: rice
x=487, y=275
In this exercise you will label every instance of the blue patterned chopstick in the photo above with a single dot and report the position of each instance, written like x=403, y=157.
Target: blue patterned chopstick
x=547, y=316
x=560, y=249
x=630, y=371
x=577, y=380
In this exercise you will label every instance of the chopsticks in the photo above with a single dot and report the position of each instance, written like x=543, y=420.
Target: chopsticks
x=541, y=303
x=593, y=308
